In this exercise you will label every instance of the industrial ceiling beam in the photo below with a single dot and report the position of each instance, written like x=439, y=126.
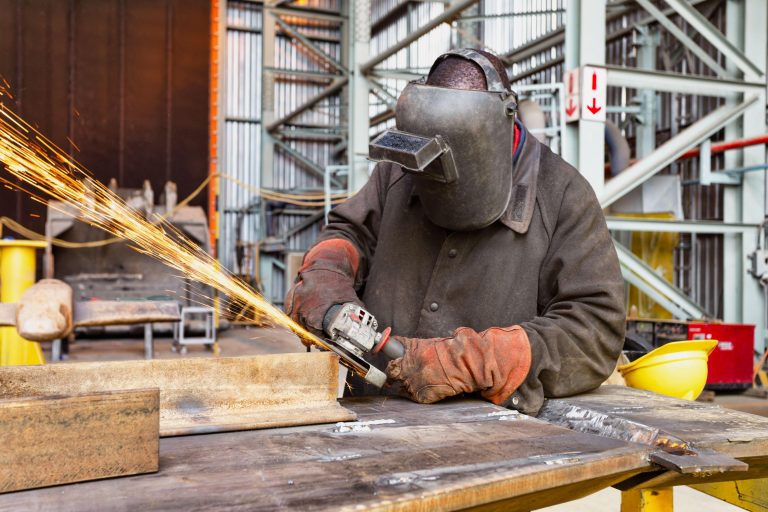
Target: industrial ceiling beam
x=395, y=74
x=332, y=89
x=668, y=152
x=309, y=76
x=315, y=13
x=309, y=45
x=451, y=12
x=390, y=16
x=699, y=227
x=312, y=218
x=381, y=91
x=537, y=69
x=556, y=37
x=304, y=161
x=681, y=36
x=714, y=36
x=675, y=82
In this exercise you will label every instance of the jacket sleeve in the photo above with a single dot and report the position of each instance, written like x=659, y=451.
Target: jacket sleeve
x=579, y=331
x=358, y=218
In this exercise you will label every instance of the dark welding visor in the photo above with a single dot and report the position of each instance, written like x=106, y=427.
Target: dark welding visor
x=430, y=158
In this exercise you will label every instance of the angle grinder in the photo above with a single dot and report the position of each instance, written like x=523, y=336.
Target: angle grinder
x=353, y=333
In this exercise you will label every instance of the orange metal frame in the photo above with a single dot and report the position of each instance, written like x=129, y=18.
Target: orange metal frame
x=213, y=185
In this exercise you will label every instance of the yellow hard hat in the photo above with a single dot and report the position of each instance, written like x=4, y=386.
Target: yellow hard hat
x=676, y=369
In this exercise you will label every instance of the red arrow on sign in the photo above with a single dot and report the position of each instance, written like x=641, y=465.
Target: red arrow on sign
x=594, y=108
x=571, y=107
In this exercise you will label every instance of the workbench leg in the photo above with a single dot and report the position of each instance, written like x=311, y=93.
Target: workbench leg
x=56, y=350
x=647, y=500
x=747, y=494
x=149, y=344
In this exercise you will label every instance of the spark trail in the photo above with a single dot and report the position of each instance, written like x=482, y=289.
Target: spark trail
x=42, y=169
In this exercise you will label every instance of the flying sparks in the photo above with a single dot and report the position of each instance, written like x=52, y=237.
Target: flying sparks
x=41, y=168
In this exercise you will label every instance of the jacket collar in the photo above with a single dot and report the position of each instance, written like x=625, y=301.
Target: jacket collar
x=519, y=212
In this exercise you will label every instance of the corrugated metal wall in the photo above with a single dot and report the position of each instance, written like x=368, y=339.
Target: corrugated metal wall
x=242, y=152
x=122, y=85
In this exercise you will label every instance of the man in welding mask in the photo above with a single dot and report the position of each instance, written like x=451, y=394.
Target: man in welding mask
x=486, y=253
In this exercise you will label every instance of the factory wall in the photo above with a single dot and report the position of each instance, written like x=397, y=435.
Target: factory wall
x=120, y=84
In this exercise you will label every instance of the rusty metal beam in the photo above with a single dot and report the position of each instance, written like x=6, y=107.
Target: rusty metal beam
x=203, y=395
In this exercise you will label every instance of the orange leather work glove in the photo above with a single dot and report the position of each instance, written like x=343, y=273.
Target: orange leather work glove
x=326, y=278
x=494, y=362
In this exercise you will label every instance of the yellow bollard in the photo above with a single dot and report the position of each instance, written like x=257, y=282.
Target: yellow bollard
x=17, y=273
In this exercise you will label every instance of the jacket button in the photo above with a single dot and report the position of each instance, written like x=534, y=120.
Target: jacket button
x=452, y=253
x=434, y=306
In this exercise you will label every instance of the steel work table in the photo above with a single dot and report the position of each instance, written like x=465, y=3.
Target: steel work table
x=457, y=454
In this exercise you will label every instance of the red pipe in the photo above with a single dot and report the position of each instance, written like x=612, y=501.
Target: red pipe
x=716, y=148
x=725, y=146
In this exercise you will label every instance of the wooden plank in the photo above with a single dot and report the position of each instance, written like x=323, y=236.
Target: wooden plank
x=54, y=440
x=399, y=456
x=203, y=395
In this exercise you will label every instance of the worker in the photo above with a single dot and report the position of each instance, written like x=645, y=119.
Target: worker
x=502, y=283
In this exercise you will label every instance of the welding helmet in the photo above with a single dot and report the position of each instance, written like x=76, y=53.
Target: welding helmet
x=457, y=144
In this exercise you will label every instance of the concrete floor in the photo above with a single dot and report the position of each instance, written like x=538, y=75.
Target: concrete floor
x=253, y=340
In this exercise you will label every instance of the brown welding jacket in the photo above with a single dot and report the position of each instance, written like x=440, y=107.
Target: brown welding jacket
x=548, y=265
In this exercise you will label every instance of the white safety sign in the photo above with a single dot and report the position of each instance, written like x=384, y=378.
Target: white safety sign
x=593, y=93
x=572, y=102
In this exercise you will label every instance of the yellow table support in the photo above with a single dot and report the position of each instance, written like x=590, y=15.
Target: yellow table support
x=647, y=500
x=750, y=495
x=17, y=273
x=747, y=494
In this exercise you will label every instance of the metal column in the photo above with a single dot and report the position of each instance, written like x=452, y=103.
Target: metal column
x=359, y=117
x=267, y=96
x=646, y=59
x=743, y=300
x=585, y=44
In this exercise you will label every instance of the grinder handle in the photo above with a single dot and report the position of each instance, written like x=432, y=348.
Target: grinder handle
x=388, y=346
x=394, y=349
